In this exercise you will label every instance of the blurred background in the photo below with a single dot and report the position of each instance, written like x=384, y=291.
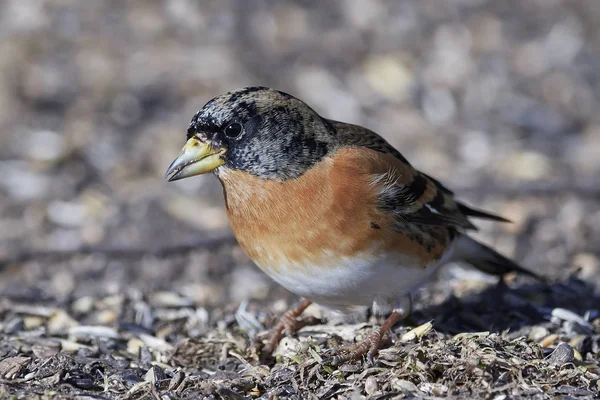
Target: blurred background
x=497, y=99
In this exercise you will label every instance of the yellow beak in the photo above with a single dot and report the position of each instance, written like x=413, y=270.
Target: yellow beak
x=196, y=158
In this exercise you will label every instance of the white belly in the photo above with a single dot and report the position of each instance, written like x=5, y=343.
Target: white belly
x=360, y=281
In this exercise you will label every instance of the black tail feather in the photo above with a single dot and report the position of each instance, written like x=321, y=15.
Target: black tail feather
x=487, y=259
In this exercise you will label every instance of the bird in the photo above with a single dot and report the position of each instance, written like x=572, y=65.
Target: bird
x=330, y=210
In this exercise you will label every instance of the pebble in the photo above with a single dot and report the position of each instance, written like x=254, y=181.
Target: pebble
x=93, y=331
x=537, y=333
x=71, y=346
x=563, y=354
x=21, y=183
x=327, y=94
x=68, y=214
x=134, y=345
x=156, y=343
x=169, y=299
x=106, y=317
x=405, y=386
x=527, y=165
x=14, y=325
x=570, y=316
x=548, y=340
x=288, y=347
x=389, y=76
x=439, y=106
x=211, y=218
x=83, y=305
x=371, y=385
x=32, y=322
x=247, y=282
x=45, y=348
x=589, y=264
x=43, y=145
x=60, y=323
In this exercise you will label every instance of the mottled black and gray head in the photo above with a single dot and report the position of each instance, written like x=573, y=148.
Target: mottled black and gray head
x=259, y=130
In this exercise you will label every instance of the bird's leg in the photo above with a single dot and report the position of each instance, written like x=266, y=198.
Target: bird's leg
x=288, y=323
x=370, y=345
x=373, y=341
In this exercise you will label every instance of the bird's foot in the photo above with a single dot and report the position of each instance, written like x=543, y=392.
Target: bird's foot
x=369, y=346
x=289, y=324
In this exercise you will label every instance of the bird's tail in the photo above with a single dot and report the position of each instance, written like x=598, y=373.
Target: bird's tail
x=486, y=259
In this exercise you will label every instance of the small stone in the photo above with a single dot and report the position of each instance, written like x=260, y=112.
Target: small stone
x=93, y=331
x=21, y=183
x=287, y=347
x=71, y=346
x=439, y=106
x=589, y=264
x=156, y=343
x=83, y=305
x=371, y=386
x=106, y=317
x=405, y=386
x=67, y=214
x=527, y=166
x=134, y=345
x=327, y=94
x=44, y=145
x=389, y=76
x=60, y=323
x=569, y=316
x=537, y=333
x=548, y=340
x=248, y=283
x=32, y=322
x=529, y=60
x=44, y=348
x=126, y=110
x=169, y=299
x=14, y=325
x=563, y=354
x=32, y=310
x=211, y=217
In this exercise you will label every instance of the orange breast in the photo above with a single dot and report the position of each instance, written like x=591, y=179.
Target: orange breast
x=328, y=213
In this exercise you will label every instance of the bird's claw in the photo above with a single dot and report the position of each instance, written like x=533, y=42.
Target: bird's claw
x=369, y=346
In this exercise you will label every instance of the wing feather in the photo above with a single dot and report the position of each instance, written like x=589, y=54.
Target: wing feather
x=412, y=197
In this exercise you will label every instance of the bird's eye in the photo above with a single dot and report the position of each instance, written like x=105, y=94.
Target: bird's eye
x=233, y=130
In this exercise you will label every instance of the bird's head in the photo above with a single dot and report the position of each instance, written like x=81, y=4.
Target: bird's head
x=262, y=131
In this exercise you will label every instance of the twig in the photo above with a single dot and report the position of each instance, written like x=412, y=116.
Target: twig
x=205, y=243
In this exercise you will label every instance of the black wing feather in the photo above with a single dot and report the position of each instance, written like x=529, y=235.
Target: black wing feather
x=475, y=213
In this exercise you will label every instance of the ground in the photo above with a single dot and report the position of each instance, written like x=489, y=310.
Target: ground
x=116, y=284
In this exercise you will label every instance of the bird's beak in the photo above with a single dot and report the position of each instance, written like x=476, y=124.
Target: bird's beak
x=195, y=158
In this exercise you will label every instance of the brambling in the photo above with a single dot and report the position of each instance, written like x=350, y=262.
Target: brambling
x=329, y=210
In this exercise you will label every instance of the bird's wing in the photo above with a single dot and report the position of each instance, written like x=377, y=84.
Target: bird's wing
x=411, y=196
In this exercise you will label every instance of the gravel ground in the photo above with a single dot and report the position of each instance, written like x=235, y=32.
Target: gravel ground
x=111, y=288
